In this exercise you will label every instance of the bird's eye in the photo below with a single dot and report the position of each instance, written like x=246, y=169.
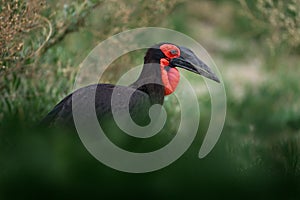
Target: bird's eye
x=173, y=51
x=170, y=51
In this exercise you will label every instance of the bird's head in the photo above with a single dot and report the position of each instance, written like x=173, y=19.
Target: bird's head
x=171, y=56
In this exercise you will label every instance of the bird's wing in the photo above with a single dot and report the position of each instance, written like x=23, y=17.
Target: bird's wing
x=62, y=113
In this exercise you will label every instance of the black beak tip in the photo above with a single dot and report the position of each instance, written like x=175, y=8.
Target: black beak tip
x=215, y=78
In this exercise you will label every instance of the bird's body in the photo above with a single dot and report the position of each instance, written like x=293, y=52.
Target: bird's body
x=62, y=112
x=158, y=78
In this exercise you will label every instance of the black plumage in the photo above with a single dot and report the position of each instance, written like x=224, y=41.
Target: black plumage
x=146, y=91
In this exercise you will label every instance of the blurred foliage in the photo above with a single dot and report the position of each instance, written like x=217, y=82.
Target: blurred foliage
x=267, y=128
x=280, y=20
x=18, y=19
x=42, y=44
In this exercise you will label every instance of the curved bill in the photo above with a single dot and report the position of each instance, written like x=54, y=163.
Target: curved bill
x=189, y=61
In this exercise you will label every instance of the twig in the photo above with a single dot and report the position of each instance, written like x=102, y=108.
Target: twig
x=48, y=36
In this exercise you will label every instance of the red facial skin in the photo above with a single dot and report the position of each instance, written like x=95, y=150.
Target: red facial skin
x=170, y=76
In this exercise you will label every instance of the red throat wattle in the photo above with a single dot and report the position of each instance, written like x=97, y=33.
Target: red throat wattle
x=170, y=76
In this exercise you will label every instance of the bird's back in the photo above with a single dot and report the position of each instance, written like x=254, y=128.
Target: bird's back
x=105, y=95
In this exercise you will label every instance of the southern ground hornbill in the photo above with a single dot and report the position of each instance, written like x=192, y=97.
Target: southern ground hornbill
x=159, y=77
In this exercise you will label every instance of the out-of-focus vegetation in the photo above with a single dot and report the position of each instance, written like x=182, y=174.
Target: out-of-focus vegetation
x=280, y=20
x=255, y=44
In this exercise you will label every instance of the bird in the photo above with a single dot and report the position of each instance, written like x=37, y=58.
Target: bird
x=159, y=77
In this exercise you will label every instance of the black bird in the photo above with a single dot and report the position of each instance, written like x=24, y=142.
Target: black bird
x=159, y=77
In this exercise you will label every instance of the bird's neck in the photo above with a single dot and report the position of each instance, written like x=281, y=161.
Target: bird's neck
x=150, y=82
